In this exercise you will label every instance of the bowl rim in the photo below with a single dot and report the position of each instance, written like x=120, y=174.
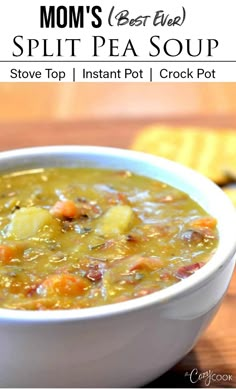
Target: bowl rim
x=165, y=296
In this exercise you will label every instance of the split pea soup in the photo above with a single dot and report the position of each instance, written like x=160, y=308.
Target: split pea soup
x=76, y=238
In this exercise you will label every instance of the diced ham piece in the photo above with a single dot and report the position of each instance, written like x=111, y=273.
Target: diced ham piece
x=186, y=271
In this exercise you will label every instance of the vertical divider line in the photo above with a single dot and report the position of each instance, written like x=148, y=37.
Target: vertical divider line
x=150, y=74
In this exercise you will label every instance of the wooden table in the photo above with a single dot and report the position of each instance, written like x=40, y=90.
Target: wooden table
x=216, y=350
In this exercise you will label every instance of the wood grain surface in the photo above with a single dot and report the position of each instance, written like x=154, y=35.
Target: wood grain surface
x=216, y=350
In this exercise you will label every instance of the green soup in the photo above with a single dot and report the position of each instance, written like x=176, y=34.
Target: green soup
x=76, y=238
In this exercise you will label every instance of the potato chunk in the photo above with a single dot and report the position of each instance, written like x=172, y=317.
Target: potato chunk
x=117, y=220
x=26, y=222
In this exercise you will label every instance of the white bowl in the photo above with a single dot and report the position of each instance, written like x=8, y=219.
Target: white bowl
x=130, y=343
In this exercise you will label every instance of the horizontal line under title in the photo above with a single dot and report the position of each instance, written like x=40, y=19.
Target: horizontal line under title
x=152, y=38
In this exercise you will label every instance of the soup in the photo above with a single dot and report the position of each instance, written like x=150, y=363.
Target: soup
x=74, y=238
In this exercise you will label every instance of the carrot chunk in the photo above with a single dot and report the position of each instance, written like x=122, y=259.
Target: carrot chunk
x=65, y=209
x=6, y=253
x=63, y=285
x=203, y=222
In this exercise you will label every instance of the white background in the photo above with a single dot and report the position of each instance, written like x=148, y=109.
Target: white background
x=205, y=19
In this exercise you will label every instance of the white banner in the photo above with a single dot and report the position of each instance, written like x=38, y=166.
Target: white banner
x=122, y=41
